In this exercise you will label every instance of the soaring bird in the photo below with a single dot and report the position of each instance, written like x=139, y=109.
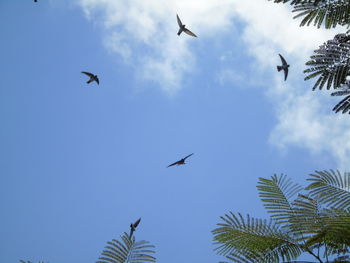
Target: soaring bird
x=180, y=162
x=284, y=66
x=183, y=28
x=92, y=77
x=133, y=226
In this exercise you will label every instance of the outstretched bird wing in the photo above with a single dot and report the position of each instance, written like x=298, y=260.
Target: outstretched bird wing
x=188, y=156
x=137, y=222
x=178, y=21
x=88, y=73
x=188, y=32
x=173, y=164
x=284, y=62
x=343, y=105
x=285, y=73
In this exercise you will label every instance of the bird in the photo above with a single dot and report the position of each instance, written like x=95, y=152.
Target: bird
x=133, y=226
x=92, y=77
x=183, y=28
x=284, y=66
x=180, y=162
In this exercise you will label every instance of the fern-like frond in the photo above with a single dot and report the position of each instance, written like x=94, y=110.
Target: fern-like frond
x=253, y=240
x=344, y=90
x=330, y=63
x=295, y=2
x=343, y=105
x=331, y=13
x=330, y=188
x=318, y=12
x=307, y=217
x=276, y=193
x=127, y=251
x=334, y=232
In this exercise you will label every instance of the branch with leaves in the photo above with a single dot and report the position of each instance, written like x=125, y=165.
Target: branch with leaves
x=302, y=220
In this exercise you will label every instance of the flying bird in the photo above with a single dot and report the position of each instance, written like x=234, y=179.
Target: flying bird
x=133, y=226
x=92, y=77
x=284, y=66
x=183, y=28
x=180, y=162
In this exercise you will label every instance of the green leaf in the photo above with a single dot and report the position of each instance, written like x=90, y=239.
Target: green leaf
x=331, y=188
x=253, y=240
x=127, y=251
x=276, y=193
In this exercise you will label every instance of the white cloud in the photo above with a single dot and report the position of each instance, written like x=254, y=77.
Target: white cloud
x=269, y=29
x=304, y=117
x=165, y=57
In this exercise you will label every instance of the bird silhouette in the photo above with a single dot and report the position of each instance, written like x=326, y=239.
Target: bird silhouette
x=180, y=162
x=183, y=28
x=133, y=226
x=92, y=77
x=284, y=66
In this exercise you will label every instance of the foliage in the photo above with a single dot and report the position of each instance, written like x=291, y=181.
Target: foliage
x=330, y=62
x=331, y=13
x=302, y=220
x=127, y=251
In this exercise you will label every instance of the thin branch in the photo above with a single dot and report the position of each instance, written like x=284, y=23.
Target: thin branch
x=326, y=250
x=312, y=253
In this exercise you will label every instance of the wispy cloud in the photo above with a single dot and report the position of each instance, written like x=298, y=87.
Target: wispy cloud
x=147, y=37
x=304, y=117
x=147, y=33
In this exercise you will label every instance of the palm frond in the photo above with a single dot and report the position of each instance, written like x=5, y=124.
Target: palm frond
x=318, y=12
x=127, y=251
x=343, y=105
x=334, y=232
x=295, y=2
x=276, y=193
x=330, y=188
x=343, y=90
x=331, y=13
x=307, y=217
x=331, y=63
x=253, y=240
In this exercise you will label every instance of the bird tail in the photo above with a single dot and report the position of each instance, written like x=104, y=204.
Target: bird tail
x=279, y=68
x=131, y=232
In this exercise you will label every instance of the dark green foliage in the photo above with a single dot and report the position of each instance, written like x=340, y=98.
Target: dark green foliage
x=253, y=240
x=331, y=188
x=276, y=193
x=127, y=251
x=331, y=63
x=331, y=13
x=302, y=220
x=328, y=12
x=343, y=105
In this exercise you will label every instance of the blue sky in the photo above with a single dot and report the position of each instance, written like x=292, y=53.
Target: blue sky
x=80, y=162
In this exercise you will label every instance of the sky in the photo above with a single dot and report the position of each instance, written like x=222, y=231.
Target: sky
x=80, y=162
